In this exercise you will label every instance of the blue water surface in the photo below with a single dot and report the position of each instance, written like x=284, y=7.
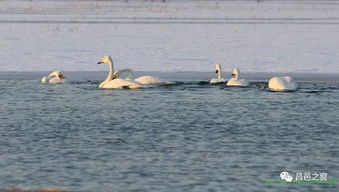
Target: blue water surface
x=191, y=136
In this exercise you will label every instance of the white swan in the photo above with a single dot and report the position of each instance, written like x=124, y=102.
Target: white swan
x=219, y=79
x=235, y=81
x=282, y=84
x=54, y=77
x=146, y=80
x=113, y=81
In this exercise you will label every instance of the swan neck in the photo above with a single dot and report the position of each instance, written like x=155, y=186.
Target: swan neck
x=111, y=70
x=236, y=74
x=218, y=68
x=219, y=73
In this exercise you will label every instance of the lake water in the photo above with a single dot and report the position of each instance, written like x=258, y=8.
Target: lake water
x=189, y=136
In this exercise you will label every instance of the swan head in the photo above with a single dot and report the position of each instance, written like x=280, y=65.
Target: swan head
x=57, y=74
x=217, y=68
x=105, y=59
x=235, y=73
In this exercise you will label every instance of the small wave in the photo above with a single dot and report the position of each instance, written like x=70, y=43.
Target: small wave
x=206, y=82
x=311, y=88
x=85, y=82
x=317, y=88
x=315, y=91
x=259, y=85
x=21, y=189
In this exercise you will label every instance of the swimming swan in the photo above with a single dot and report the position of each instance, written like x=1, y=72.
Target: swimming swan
x=282, y=84
x=113, y=81
x=219, y=79
x=235, y=81
x=54, y=77
x=146, y=80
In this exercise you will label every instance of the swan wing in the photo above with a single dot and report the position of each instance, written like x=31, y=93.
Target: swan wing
x=214, y=80
x=282, y=84
x=129, y=72
x=56, y=80
x=44, y=80
x=290, y=83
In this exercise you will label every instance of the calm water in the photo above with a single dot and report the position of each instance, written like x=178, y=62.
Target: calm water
x=190, y=136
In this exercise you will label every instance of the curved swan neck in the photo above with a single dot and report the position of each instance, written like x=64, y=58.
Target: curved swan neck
x=218, y=68
x=236, y=73
x=111, y=70
x=219, y=73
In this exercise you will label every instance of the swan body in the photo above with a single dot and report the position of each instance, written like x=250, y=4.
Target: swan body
x=235, y=81
x=54, y=78
x=282, y=84
x=120, y=84
x=219, y=79
x=113, y=81
x=148, y=80
x=145, y=80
